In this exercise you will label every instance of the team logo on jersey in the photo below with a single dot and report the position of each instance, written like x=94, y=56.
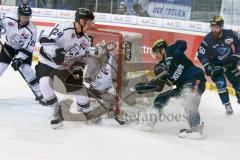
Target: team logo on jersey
x=223, y=50
x=229, y=40
x=84, y=44
x=16, y=41
x=11, y=24
x=25, y=35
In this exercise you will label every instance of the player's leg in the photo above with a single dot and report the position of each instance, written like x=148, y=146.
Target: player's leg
x=236, y=86
x=221, y=84
x=30, y=76
x=233, y=75
x=82, y=100
x=192, y=95
x=44, y=74
x=5, y=60
x=3, y=68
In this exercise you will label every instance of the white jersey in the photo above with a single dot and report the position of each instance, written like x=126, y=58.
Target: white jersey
x=107, y=75
x=18, y=37
x=64, y=36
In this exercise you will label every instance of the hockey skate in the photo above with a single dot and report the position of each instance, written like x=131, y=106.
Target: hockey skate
x=193, y=133
x=57, y=121
x=229, y=110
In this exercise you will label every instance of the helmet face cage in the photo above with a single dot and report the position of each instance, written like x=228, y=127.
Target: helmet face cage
x=217, y=21
x=158, y=45
x=24, y=10
x=84, y=13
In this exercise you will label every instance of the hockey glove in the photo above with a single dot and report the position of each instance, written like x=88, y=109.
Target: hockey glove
x=145, y=87
x=208, y=69
x=74, y=77
x=16, y=63
x=217, y=70
x=159, y=68
x=235, y=59
x=60, y=55
x=213, y=71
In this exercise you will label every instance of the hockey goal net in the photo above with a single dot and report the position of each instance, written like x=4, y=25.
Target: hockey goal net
x=128, y=51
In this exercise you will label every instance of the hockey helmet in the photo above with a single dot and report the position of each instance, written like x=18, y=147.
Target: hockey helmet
x=83, y=13
x=157, y=45
x=24, y=10
x=217, y=20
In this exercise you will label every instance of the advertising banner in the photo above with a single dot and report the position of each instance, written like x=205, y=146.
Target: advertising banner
x=171, y=9
x=230, y=11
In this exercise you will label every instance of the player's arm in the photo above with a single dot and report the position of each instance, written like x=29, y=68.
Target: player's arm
x=49, y=41
x=2, y=22
x=211, y=70
x=236, y=41
x=235, y=58
x=202, y=53
x=202, y=57
x=26, y=51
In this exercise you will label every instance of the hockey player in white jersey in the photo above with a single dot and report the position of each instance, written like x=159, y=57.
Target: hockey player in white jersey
x=64, y=43
x=103, y=74
x=21, y=37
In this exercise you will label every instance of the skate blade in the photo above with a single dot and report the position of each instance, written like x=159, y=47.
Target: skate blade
x=193, y=135
x=229, y=113
x=57, y=126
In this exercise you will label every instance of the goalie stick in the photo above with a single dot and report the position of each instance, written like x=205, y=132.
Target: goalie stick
x=121, y=122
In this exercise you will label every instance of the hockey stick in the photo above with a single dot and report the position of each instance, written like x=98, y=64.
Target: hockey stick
x=141, y=88
x=5, y=50
x=106, y=108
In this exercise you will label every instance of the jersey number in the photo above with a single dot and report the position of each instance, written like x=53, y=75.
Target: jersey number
x=57, y=33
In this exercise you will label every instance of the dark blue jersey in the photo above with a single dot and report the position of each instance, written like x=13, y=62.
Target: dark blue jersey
x=218, y=51
x=181, y=69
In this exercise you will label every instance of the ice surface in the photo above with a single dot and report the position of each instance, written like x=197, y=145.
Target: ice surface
x=25, y=133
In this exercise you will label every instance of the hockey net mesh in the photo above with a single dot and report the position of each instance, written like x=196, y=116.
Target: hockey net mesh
x=126, y=73
x=114, y=37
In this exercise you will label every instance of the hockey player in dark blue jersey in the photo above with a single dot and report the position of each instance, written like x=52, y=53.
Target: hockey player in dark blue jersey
x=219, y=53
x=189, y=82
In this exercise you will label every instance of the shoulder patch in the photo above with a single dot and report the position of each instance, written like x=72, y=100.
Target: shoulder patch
x=11, y=24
